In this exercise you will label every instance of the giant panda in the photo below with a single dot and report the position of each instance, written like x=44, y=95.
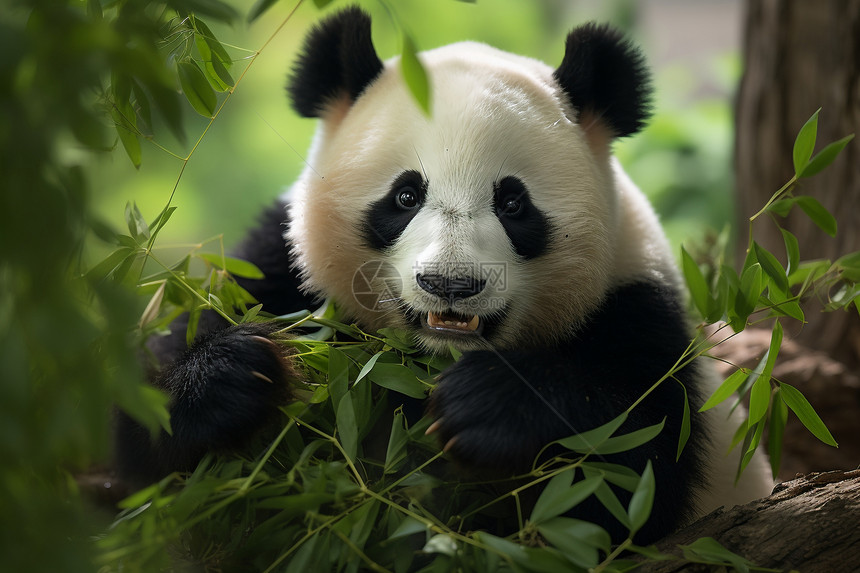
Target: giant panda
x=499, y=225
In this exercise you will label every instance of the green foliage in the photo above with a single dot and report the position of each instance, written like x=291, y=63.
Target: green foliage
x=767, y=290
x=319, y=494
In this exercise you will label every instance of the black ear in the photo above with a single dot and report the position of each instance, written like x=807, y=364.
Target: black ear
x=338, y=59
x=605, y=77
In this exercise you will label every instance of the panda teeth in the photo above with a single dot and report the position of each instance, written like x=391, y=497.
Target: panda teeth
x=452, y=322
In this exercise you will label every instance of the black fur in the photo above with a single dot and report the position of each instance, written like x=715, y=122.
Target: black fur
x=526, y=227
x=606, y=76
x=223, y=390
x=504, y=405
x=384, y=220
x=338, y=60
x=226, y=387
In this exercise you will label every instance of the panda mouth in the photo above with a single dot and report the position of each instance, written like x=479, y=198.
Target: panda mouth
x=453, y=323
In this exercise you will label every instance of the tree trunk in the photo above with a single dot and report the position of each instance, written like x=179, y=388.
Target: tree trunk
x=809, y=524
x=799, y=56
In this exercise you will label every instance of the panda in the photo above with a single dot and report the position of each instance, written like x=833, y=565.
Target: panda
x=499, y=225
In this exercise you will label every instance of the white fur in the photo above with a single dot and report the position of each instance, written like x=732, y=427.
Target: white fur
x=493, y=115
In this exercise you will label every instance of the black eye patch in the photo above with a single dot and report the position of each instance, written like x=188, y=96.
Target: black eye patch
x=526, y=226
x=386, y=218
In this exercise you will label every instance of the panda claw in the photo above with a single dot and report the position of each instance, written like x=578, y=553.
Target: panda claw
x=265, y=340
x=450, y=444
x=433, y=427
x=261, y=376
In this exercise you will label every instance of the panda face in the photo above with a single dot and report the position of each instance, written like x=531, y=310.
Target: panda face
x=489, y=222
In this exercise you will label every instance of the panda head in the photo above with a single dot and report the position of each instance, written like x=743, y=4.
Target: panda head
x=495, y=219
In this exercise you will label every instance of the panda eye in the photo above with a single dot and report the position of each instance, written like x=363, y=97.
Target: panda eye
x=511, y=207
x=511, y=198
x=406, y=198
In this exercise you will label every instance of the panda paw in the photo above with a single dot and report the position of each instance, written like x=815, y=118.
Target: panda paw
x=487, y=417
x=224, y=389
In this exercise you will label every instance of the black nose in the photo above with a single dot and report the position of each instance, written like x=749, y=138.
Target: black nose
x=450, y=288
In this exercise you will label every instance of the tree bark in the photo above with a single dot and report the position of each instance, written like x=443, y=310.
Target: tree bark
x=799, y=56
x=809, y=524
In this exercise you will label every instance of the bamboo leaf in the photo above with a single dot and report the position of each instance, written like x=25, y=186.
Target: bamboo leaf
x=818, y=213
x=805, y=143
x=696, y=283
x=804, y=411
x=726, y=389
x=560, y=496
x=825, y=157
x=196, y=88
x=684, y=434
x=792, y=251
x=585, y=441
x=776, y=430
x=771, y=266
x=642, y=501
x=232, y=265
x=415, y=75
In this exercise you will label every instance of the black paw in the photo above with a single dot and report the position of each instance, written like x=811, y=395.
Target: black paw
x=489, y=416
x=223, y=390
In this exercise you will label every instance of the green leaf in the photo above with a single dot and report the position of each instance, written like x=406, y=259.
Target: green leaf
x=234, y=266
x=642, y=501
x=630, y=441
x=792, y=251
x=805, y=413
x=368, y=366
x=761, y=389
x=585, y=441
x=752, y=439
x=818, y=213
x=578, y=540
x=610, y=501
x=125, y=130
x=137, y=226
x=196, y=88
x=782, y=207
x=338, y=376
x=684, y=434
x=583, y=531
x=696, y=283
x=409, y=526
x=397, y=440
x=399, y=378
x=217, y=74
x=709, y=550
x=826, y=156
x=805, y=143
x=415, y=75
x=771, y=266
x=347, y=426
x=750, y=289
x=259, y=8
x=559, y=495
x=542, y=560
x=776, y=430
x=726, y=389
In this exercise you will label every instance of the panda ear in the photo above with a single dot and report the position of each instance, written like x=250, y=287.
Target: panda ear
x=338, y=60
x=606, y=79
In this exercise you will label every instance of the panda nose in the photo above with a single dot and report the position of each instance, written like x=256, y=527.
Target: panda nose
x=450, y=288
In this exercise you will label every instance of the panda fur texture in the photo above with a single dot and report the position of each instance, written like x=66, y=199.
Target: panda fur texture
x=501, y=225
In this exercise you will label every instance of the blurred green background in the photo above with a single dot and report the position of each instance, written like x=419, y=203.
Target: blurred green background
x=256, y=146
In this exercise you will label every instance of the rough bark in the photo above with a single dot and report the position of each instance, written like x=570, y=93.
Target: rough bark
x=809, y=524
x=799, y=56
